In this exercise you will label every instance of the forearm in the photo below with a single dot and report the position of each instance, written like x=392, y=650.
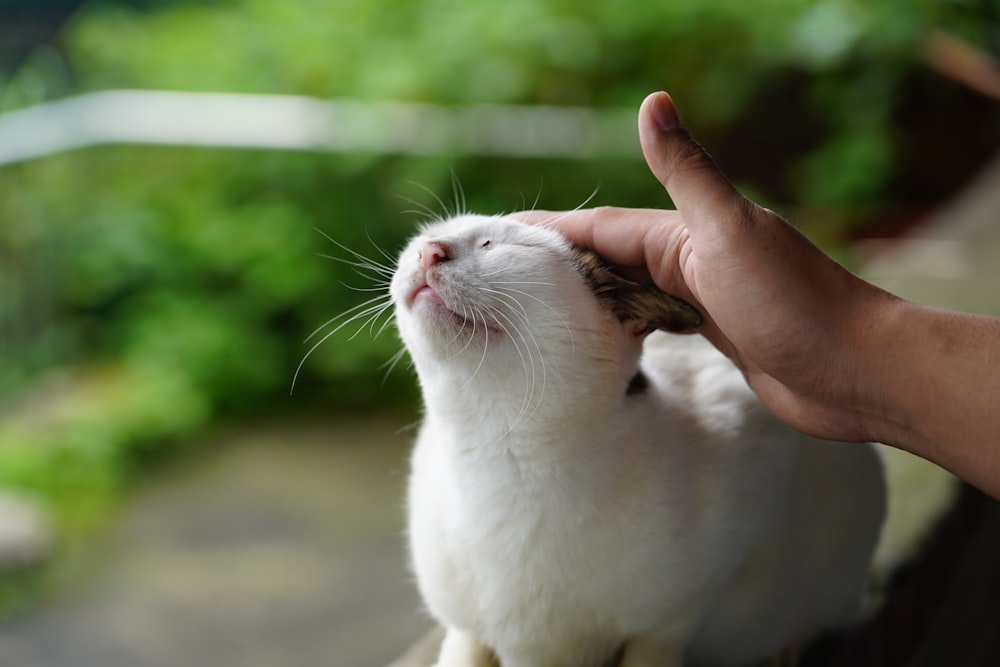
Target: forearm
x=935, y=389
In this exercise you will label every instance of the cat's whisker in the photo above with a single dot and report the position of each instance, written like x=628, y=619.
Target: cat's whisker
x=562, y=318
x=426, y=215
x=371, y=313
x=475, y=323
x=528, y=362
x=459, y=332
x=364, y=265
x=538, y=198
x=503, y=272
x=523, y=328
x=524, y=202
x=371, y=309
x=511, y=292
x=354, y=312
x=391, y=363
x=360, y=261
x=298, y=369
x=389, y=258
x=373, y=320
x=539, y=381
x=482, y=358
x=355, y=288
x=458, y=192
x=445, y=213
x=549, y=222
x=387, y=321
x=509, y=299
x=522, y=282
x=590, y=198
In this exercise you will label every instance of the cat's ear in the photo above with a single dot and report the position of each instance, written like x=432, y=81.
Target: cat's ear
x=647, y=306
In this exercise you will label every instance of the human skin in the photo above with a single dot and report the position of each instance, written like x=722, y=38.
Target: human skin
x=827, y=352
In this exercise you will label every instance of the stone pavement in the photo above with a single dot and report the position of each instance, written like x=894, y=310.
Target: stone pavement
x=279, y=546
x=25, y=532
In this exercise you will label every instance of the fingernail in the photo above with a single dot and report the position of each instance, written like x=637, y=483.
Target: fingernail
x=664, y=112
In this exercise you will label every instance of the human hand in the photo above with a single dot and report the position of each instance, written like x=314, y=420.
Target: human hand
x=795, y=322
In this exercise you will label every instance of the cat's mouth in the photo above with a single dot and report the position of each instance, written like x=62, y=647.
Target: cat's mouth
x=423, y=292
x=471, y=319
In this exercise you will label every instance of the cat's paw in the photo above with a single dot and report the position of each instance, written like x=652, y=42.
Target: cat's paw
x=461, y=649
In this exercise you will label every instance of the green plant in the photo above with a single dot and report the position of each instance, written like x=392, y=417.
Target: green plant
x=175, y=285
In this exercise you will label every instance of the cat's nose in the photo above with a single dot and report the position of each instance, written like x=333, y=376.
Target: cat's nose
x=432, y=253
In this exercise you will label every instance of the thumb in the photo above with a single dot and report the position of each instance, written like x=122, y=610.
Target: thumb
x=698, y=187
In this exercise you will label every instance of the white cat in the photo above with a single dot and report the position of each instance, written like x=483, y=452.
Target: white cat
x=583, y=495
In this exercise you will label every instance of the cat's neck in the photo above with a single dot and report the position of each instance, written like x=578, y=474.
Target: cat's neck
x=525, y=414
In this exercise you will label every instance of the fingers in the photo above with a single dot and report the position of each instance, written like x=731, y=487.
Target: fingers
x=620, y=235
x=699, y=189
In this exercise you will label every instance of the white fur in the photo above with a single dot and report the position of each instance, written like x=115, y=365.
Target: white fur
x=554, y=519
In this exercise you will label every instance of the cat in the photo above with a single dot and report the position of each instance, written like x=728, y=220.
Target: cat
x=588, y=490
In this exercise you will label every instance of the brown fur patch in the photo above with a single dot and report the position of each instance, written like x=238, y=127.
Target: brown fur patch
x=632, y=301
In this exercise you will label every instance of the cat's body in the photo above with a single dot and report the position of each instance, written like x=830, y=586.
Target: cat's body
x=570, y=504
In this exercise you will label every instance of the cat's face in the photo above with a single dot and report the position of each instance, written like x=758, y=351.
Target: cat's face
x=494, y=297
x=473, y=285
x=501, y=317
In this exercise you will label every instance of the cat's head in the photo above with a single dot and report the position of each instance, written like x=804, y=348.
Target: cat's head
x=478, y=294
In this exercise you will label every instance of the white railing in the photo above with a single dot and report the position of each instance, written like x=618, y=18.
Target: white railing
x=302, y=123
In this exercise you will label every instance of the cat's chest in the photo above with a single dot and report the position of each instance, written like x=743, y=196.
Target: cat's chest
x=519, y=556
x=501, y=523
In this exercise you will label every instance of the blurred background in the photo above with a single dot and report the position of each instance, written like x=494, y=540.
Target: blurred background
x=183, y=186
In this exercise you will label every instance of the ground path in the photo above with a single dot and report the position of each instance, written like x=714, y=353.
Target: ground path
x=278, y=546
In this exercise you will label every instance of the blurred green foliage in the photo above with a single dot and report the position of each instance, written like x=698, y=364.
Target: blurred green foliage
x=145, y=291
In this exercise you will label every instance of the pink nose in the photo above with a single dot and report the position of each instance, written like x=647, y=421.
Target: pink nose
x=432, y=253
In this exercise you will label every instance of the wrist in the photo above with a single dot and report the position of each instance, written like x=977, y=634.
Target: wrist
x=887, y=345
x=885, y=355
x=933, y=389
